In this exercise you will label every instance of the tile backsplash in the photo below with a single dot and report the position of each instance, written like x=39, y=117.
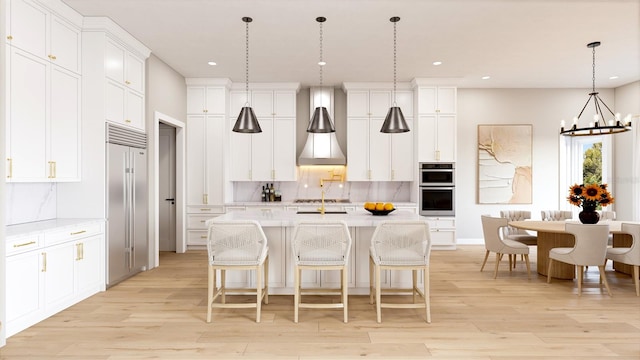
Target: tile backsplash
x=28, y=202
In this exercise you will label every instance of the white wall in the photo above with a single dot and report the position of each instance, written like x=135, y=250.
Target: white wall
x=3, y=317
x=627, y=183
x=543, y=108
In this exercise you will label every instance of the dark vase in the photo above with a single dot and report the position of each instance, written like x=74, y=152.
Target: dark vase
x=589, y=215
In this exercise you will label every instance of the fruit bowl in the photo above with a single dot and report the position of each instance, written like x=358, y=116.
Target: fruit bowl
x=380, y=212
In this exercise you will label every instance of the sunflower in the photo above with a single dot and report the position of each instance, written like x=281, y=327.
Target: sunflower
x=606, y=201
x=574, y=200
x=575, y=190
x=592, y=192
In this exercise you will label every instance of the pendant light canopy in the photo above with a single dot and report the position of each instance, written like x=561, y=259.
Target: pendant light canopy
x=247, y=121
x=599, y=126
x=321, y=121
x=394, y=121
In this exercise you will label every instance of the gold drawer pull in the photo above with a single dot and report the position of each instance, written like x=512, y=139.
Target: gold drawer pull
x=44, y=262
x=128, y=82
x=78, y=232
x=205, y=209
x=9, y=37
x=127, y=121
x=52, y=57
x=203, y=220
x=203, y=236
x=10, y=167
x=25, y=244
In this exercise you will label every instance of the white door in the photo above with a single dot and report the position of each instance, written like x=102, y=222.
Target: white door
x=167, y=188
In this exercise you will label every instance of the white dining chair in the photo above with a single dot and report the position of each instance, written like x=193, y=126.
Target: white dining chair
x=629, y=255
x=556, y=215
x=237, y=245
x=590, y=249
x=321, y=245
x=493, y=242
x=400, y=245
x=515, y=234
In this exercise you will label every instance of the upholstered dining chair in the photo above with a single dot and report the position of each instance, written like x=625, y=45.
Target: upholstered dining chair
x=400, y=245
x=590, y=249
x=515, y=234
x=607, y=215
x=237, y=245
x=493, y=242
x=321, y=245
x=629, y=255
x=556, y=215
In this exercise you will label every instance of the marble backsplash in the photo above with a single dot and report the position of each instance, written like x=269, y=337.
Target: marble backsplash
x=28, y=202
x=308, y=187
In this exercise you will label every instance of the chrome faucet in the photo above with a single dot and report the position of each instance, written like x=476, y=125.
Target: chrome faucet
x=332, y=177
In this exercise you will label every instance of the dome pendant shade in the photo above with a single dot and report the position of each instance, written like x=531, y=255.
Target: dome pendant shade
x=321, y=121
x=247, y=122
x=394, y=122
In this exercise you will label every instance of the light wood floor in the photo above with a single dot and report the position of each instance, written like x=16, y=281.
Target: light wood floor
x=161, y=314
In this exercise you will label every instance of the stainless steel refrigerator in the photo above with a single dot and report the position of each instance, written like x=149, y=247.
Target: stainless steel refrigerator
x=127, y=209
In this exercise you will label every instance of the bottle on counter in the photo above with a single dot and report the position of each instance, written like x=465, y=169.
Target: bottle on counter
x=263, y=196
x=272, y=193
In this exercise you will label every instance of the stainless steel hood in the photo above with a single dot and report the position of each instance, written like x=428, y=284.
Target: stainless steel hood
x=322, y=149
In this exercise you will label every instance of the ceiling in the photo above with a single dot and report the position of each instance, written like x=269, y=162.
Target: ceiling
x=518, y=43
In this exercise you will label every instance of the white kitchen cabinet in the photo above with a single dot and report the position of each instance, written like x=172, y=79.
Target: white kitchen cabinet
x=37, y=30
x=50, y=270
x=443, y=232
x=437, y=124
x=271, y=154
x=43, y=127
x=204, y=143
x=372, y=155
x=206, y=100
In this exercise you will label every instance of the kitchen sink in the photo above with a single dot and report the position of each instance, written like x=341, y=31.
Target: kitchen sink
x=318, y=212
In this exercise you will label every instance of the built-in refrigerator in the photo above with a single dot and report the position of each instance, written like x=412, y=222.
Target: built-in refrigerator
x=127, y=209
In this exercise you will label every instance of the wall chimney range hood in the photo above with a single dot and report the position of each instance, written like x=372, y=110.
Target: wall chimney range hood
x=321, y=148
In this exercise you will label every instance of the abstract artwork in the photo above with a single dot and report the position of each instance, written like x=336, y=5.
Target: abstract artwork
x=504, y=164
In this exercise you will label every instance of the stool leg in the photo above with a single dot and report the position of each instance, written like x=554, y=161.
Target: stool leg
x=378, y=310
x=296, y=296
x=212, y=284
x=371, y=280
x=345, y=295
x=427, y=295
x=258, y=292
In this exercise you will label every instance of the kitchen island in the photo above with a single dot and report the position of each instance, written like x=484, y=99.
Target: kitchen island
x=278, y=226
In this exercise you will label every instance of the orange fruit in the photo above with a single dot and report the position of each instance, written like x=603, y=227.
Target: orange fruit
x=388, y=206
x=379, y=206
x=369, y=206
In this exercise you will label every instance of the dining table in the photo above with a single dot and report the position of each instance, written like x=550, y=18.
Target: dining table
x=552, y=234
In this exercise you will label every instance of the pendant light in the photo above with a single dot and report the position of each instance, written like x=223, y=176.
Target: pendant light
x=247, y=122
x=321, y=121
x=394, y=122
x=598, y=126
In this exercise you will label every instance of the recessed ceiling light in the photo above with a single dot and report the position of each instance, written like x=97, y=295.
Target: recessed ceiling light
x=486, y=77
x=436, y=63
x=212, y=63
x=613, y=77
x=322, y=63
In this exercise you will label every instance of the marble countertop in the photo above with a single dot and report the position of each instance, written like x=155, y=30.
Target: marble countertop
x=293, y=203
x=285, y=218
x=45, y=225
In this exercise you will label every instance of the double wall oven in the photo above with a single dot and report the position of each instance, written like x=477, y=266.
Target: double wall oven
x=437, y=189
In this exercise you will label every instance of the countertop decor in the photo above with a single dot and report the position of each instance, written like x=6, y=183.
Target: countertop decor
x=589, y=196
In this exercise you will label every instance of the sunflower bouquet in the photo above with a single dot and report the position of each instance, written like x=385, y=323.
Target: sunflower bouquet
x=590, y=196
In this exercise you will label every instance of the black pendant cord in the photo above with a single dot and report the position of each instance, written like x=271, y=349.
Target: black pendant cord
x=247, y=20
x=395, y=22
x=321, y=62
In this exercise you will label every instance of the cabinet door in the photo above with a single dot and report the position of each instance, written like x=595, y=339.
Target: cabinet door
x=284, y=103
x=358, y=103
x=284, y=149
x=196, y=100
x=135, y=110
x=89, y=265
x=134, y=78
x=65, y=44
x=427, y=100
x=447, y=100
x=24, y=290
x=196, y=160
x=239, y=153
x=27, y=27
x=64, y=131
x=446, y=142
x=358, y=149
x=262, y=103
x=404, y=99
x=27, y=108
x=237, y=100
x=215, y=132
x=427, y=133
x=216, y=100
x=402, y=164
x=114, y=61
x=59, y=276
x=262, y=151
x=379, y=151
x=114, y=102
x=379, y=102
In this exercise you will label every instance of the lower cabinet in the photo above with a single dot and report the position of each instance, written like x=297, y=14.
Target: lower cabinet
x=443, y=232
x=58, y=269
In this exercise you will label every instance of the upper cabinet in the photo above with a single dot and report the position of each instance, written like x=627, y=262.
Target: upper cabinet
x=372, y=155
x=43, y=91
x=436, y=123
x=206, y=99
x=271, y=154
x=39, y=31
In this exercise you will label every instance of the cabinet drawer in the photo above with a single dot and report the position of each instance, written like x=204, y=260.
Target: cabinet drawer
x=441, y=223
x=204, y=209
x=196, y=237
x=22, y=243
x=71, y=233
x=198, y=221
x=443, y=237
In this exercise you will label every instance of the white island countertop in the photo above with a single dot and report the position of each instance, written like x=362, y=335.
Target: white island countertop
x=286, y=218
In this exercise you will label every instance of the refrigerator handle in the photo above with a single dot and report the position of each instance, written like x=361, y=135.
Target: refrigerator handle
x=132, y=210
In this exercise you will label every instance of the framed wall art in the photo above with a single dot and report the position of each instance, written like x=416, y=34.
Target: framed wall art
x=504, y=164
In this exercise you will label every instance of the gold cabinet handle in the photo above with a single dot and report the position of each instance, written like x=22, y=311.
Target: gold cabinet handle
x=127, y=121
x=127, y=82
x=205, y=209
x=78, y=256
x=44, y=262
x=52, y=57
x=51, y=176
x=9, y=37
x=203, y=236
x=369, y=173
x=55, y=169
x=205, y=110
x=24, y=244
x=200, y=221
x=78, y=232
x=205, y=199
x=81, y=251
x=273, y=174
x=10, y=168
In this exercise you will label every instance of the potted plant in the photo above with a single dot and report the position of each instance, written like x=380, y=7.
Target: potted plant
x=590, y=197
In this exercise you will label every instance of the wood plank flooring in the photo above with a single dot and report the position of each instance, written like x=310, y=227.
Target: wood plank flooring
x=160, y=314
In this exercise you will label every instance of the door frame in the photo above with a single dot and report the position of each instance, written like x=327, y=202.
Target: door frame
x=180, y=182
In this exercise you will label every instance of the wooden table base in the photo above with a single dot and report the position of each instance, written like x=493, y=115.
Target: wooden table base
x=547, y=241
